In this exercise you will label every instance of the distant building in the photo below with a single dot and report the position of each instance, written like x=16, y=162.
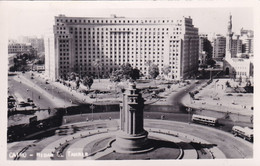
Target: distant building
x=202, y=58
x=38, y=67
x=11, y=57
x=78, y=41
x=205, y=48
x=233, y=66
x=219, y=47
x=202, y=38
x=19, y=47
x=236, y=46
x=247, y=37
x=37, y=43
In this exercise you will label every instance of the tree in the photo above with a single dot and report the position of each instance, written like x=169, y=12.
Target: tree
x=207, y=47
x=240, y=80
x=87, y=81
x=77, y=83
x=72, y=76
x=116, y=76
x=12, y=69
x=228, y=84
x=166, y=70
x=211, y=62
x=125, y=72
x=249, y=88
x=149, y=63
x=153, y=71
x=192, y=95
x=98, y=65
x=135, y=74
x=64, y=77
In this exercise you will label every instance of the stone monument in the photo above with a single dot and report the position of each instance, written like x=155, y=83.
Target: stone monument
x=132, y=138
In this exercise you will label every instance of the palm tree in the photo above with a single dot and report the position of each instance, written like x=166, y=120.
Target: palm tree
x=97, y=64
x=148, y=63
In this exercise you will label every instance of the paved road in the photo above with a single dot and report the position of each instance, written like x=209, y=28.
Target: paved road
x=50, y=96
x=232, y=147
x=175, y=98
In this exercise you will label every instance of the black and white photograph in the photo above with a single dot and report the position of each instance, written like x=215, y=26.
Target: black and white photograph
x=128, y=81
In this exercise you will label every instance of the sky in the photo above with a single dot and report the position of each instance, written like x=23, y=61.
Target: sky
x=28, y=19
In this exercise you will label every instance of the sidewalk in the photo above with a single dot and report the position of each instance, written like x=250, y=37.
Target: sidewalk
x=216, y=99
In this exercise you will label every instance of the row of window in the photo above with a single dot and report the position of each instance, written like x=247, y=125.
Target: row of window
x=114, y=21
x=117, y=29
x=119, y=37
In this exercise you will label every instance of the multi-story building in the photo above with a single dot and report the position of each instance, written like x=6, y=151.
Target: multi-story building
x=234, y=66
x=202, y=38
x=19, y=47
x=236, y=46
x=205, y=49
x=78, y=41
x=219, y=47
x=36, y=42
x=247, y=37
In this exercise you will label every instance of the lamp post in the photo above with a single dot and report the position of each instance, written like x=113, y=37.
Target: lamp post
x=189, y=111
x=29, y=91
x=92, y=107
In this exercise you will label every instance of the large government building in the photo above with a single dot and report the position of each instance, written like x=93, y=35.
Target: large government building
x=76, y=42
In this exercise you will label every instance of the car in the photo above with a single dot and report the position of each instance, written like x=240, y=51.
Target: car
x=197, y=82
x=29, y=100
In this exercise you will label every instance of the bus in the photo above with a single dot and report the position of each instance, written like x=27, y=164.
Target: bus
x=204, y=120
x=243, y=132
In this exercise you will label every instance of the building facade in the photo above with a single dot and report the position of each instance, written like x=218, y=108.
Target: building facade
x=233, y=66
x=247, y=37
x=236, y=46
x=205, y=49
x=78, y=41
x=36, y=42
x=219, y=47
x=19, y=47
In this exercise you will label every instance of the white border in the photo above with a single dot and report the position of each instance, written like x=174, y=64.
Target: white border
x=254, y=4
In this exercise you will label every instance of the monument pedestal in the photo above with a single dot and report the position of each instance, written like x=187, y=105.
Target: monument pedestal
x=126, y=143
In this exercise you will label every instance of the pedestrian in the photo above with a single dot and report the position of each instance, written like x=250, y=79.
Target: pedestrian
x=39, y=97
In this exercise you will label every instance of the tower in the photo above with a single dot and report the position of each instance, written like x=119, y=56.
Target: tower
x=229, y=39
x=132, y=138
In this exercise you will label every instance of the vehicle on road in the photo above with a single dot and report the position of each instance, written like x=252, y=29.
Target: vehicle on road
x=204, y=120
x=243, y=132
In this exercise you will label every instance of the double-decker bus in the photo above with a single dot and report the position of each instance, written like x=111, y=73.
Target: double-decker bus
x=243, y=132
x=204, y=120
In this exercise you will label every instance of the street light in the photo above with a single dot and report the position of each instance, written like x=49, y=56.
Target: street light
x=31, y=91
x=189, y=110
x=92, y=107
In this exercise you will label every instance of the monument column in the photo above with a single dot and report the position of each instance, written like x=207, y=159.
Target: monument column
x=132, y=138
